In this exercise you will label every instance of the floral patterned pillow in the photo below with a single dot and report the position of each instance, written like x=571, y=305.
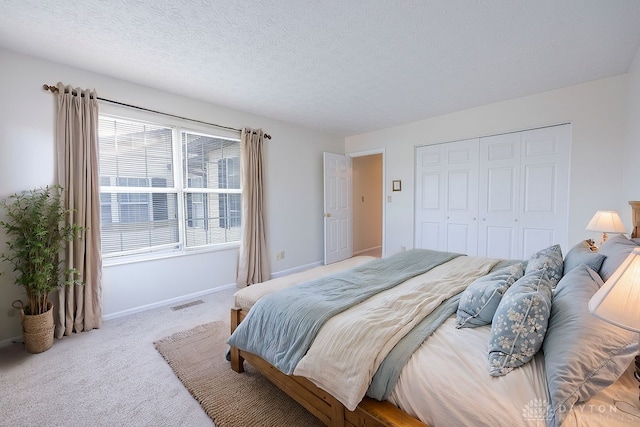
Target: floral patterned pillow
x=551, y=258
x=520, y=322
x=480, y=300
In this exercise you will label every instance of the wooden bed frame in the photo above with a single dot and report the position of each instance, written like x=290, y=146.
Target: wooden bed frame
x=370, y=412
x=635, y=218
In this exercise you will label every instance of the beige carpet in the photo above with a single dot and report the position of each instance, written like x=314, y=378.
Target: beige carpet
x=197, y=356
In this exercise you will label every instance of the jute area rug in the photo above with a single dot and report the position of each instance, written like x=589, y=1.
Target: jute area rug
x=197, y=356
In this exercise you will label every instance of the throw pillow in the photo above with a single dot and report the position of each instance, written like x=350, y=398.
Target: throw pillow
x=549, y=258
x=616, y=249
x=520, y=322
x=582, y=354
x=480, y=300
x=582, y=254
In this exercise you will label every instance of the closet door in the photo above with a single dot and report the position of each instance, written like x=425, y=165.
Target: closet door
x=446, y=197
x=499, y=196
x=430, y=209
x=544, y=188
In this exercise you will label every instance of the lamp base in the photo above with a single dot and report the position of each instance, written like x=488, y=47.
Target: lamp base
x=637, y=372
x=605, y=236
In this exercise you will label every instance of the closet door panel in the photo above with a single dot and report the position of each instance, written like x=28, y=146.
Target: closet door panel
x=500, y=240
x=430, y=235
x=545, y=188
x=461, y=186
x=499, y=196
x=458, y=238
x=430, y=204
x=446, y=207
x=539, y=189
x=503, y=196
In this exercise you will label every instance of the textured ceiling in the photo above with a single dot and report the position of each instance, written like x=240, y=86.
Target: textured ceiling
x=342, y=66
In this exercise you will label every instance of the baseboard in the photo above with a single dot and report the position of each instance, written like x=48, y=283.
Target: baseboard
x=166, y=302
x=128, y=312
x=295, y=270
x=9, y=341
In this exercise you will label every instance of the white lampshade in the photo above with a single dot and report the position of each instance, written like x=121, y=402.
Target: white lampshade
x=606, y=222
x=618, y=300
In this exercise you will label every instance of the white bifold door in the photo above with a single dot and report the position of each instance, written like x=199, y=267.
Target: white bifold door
x=519, y=193
x=447, y=197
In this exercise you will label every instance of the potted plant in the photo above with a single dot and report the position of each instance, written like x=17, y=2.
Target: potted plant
x=37, y=235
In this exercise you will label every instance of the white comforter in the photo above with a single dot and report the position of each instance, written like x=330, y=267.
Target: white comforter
x=371, y=329
x=446, y=384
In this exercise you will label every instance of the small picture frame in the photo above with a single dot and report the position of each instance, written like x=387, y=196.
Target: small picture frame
x=396, y=185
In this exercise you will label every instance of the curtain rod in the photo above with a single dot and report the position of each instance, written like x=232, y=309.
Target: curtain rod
x=54, y=89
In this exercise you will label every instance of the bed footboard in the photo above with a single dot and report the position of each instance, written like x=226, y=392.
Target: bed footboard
x=369, y=413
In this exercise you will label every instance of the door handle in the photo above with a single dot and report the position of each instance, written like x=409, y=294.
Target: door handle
x=327, y=215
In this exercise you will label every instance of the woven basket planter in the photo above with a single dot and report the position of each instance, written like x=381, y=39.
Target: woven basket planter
x=37, y=330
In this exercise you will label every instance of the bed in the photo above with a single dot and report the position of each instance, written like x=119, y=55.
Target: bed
x=446, y=379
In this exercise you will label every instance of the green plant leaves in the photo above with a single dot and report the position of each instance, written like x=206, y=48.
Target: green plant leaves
x=38, y=234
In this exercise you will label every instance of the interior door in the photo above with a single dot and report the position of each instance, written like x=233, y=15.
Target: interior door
x=338, y=227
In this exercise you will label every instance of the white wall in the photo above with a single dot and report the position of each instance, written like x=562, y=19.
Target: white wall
x=597, y=111
x=632, y=146
x=293, y=183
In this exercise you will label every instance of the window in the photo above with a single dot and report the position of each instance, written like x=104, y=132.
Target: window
x=229, y=177
x=166, y=188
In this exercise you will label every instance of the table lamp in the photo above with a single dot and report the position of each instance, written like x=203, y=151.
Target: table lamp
x=618, y=300
x=606, y=222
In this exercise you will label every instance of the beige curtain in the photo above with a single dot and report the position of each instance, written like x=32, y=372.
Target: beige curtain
x=79, y=307
x=253, y=262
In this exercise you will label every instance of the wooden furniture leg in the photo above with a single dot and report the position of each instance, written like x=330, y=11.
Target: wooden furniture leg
x=237, y=361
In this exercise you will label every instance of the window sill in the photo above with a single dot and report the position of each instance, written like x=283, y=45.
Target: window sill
x=132, y=259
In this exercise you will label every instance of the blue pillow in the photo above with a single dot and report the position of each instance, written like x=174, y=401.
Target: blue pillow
x=480, y=300
x=551, y=258
x=582, y=353
x=616, y=249
x=520, y=322
x=582, y=254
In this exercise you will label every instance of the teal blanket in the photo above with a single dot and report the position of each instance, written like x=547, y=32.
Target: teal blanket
x=388, y=372
x=281, y=326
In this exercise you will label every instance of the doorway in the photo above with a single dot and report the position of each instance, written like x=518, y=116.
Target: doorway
x=368, y=207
